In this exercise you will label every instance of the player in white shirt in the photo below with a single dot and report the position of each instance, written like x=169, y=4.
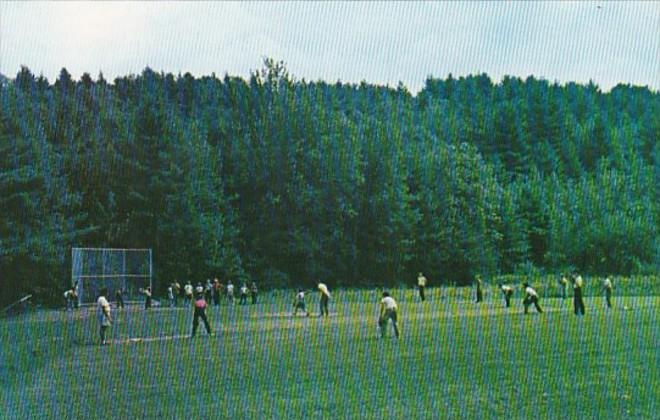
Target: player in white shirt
x=508, y=292
x=69, y=296
x=244, y=294
x=230, y=292
x=607, y=285
x=103, y=313
x=147, y=297
x=421, y=285
x=325, y=298
x=388, y=311
x=578, y=302
x=299, y=303
x=170, y=295
x=531, y=297
x=188, y=291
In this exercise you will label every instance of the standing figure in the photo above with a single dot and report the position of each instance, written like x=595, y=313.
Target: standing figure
x=208, y=291
x=244, y=294
x=253, y=292
x=199, y=306
x=177, y=292
x=325, y=298
x=147, y=297
x=103, y=313
x=563, y=285
x=299, y=303
x=607, y=285
x=578, y=302
x=119, y=297
x=69, y=298
x=223, y=290
x=230, y=292
x=480, y=293
x=188, y=291
x=421, y=285
x=531, y=297
x=76, y=290
x=216, y=291
x=508, y=292
x=170, y=295
x=388, y=311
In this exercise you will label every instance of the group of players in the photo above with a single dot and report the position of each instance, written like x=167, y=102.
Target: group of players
x=200, y=297
x=213, y=292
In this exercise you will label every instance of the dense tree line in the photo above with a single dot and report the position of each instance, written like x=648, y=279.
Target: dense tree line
x=286, y=181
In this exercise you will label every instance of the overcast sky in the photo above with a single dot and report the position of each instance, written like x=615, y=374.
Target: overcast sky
x=381, y=43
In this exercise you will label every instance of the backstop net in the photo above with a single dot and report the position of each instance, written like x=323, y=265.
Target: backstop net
x=95, y=268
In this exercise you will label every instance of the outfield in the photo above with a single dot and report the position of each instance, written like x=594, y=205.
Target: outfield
x=455, y=359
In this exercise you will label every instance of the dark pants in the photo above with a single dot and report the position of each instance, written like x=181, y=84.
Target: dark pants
x=578, y=303
x=532, y=300
x=254, y=298
x=383, y=320
x=104, y=328
x=200, y=313
x=480, y=295
x=147, y=302
x=507, y=298
x=301, y=306
x=608, y=297
x=70, y=304
x=421, y=293
x=216, y=298
x=243, y=299
x=324, y=305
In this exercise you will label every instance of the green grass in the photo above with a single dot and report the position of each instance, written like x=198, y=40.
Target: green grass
x=455, y=359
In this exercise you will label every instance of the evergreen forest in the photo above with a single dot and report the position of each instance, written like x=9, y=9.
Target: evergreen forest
x=287, y=181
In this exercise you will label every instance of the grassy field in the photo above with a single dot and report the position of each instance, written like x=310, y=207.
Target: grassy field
x=456, y=359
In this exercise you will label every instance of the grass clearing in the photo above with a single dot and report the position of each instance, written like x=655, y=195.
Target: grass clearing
x=456, y=359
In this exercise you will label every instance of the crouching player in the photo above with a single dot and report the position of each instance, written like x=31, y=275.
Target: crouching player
x=69, y=297
x=388, y=311
x=299, y=303
x=508, y=292
x=200, y=312
x=531, y=297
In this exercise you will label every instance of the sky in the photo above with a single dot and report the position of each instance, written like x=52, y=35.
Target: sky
x=378, y=42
